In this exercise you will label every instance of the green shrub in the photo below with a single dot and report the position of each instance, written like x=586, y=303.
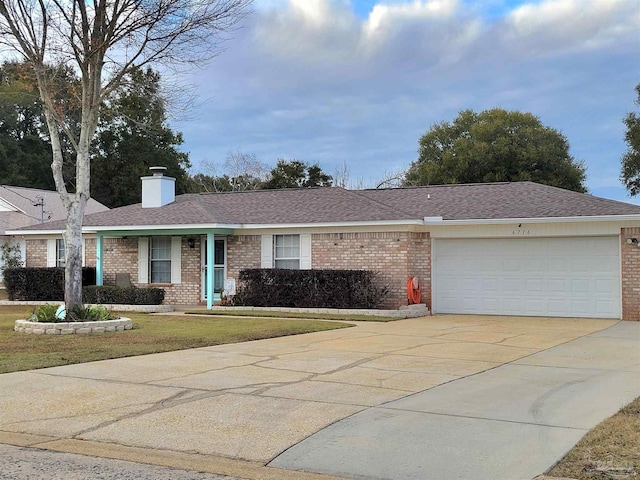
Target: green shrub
x=45, y=313
x=96, y=313
x=273, y=287
x=112, y=294
x=41, y=284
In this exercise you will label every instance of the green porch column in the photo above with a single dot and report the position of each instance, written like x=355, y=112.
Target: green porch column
x=210, y=272
x=99, y=270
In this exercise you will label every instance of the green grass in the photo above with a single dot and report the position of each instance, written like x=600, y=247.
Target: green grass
x=353, y=317
x=150, y=334
x=609, y=450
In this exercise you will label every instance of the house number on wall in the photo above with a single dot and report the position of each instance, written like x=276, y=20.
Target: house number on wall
x=521, y=232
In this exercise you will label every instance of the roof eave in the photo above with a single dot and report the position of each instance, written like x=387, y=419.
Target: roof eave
x=216, y=226
x=435, y=221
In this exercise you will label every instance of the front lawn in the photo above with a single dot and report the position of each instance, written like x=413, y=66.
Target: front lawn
x=150, y=334
x=609, y=450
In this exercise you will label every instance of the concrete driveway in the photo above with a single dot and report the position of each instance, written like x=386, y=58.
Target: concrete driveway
x=232, y=409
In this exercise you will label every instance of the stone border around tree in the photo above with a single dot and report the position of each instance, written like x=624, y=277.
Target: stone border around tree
x=66, y=328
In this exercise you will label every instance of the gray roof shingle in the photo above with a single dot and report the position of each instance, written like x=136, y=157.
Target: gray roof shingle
x=337, y=205
x=498, y=200
x=24, y=199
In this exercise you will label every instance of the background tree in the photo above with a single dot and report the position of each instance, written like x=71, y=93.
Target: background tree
x=132, y=136
x=296, y=174
x=631, y=159
x=495, y=146
x=103, y=40
x=201, y=182
x=242, y=171
x=25, y=150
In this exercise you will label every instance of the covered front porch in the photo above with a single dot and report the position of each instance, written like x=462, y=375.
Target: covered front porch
x=190, y=260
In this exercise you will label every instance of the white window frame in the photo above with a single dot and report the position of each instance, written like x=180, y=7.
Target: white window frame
x=268, y=250
x=61, y=259
x=163, y=260
x=144, y=259
x=288, y=242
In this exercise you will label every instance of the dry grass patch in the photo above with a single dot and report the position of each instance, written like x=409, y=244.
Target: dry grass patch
x=611, y=450
x=3, y=294
x=150, y=334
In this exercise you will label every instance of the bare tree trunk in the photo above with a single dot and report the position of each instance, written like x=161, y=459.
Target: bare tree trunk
x=129, y=34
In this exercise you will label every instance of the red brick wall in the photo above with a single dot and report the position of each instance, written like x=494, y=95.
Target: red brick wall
x=396, y=255
x=188, y=291
x=120, y=255
x=36, y=255
x=630, y=275
x=419, y=263
x=90, y=252
x=243, y=251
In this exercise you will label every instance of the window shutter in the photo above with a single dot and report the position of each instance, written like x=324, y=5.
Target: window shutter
x=176, y=259
x=266, y=258
x=305, y=251
x=51, y=252
x=143, y=260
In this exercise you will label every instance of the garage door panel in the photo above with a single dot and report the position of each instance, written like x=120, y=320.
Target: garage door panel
x=558, y=264
x=533, y=284
x=557, y=286
x=572, y=277
x=580, y=285
x=559, y=307
x=605, y=286
x=605, y=308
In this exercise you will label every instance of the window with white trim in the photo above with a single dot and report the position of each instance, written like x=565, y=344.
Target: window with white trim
x=286, y=251
x=160, y=260
x=61, y=260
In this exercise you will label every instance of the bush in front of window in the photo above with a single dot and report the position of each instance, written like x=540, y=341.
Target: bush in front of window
x=276, y=287
x=41, y=284
x=112, y=294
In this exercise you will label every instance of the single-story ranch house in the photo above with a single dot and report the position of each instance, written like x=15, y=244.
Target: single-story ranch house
x=501, y=248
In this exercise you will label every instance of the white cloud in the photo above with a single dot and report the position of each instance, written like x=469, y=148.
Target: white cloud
x=310, y=79
x=554, y=25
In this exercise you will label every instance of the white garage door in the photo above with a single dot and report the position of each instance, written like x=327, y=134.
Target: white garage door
x=559, y=277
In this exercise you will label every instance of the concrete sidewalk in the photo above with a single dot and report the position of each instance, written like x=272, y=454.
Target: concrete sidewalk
x=231, y=409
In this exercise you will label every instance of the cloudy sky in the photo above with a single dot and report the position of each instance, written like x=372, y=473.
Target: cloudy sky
x=357, y=82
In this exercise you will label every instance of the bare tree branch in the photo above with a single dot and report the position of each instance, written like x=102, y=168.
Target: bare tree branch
x=103, y=40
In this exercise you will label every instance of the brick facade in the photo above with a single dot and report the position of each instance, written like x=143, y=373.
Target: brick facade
x=243, y=251
x=120, y=255
x=396, y=255
x=36, y=254
x=630, y=274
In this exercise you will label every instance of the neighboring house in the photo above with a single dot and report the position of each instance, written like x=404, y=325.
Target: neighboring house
x=22, y=207
x=501, y=248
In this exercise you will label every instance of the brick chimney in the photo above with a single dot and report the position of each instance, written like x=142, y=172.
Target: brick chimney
x=158, y=190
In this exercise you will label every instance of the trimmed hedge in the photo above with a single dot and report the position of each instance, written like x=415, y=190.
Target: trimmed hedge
x=41, y=284
x=275, y=287
x=111, y=294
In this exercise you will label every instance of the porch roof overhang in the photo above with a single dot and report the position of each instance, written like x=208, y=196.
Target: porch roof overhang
x=203, y=229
